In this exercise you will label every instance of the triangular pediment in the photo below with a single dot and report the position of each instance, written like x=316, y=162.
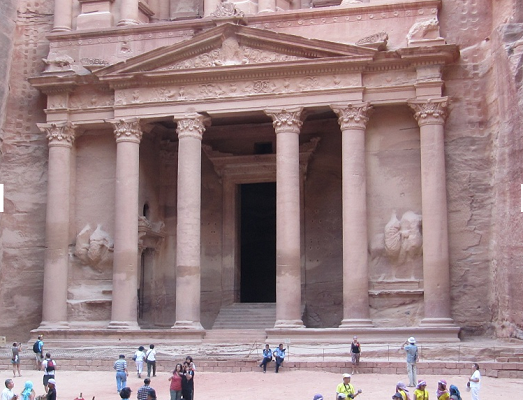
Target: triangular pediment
x=235, y=45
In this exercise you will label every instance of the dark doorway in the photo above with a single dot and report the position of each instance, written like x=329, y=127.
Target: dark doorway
x=258, y=243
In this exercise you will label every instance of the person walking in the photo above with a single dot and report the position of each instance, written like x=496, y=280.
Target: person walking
x=150, y=357
x=175, y=388
x=38, y=349
x=355, y=351
x=412, y=358
x=267, y=358
x=402, y=389
x=346, y=388
x=141, y=394
x=442, y=393
x=15, y=359
x=49, y=367
x=475, y=382
x=139, y=358
x=454, y=393
x=28, y=393
x=7, y=393
x=279, y=356
x=120, y=366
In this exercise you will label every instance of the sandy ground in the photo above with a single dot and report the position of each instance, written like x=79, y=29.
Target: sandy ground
x=256, y=385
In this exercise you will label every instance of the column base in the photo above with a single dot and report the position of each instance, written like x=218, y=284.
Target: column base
x=127, y=22
x=47, y=325
x=438, y=322
x=184, y=325
x=123, y=325
x=289, y=324
x=356, y=323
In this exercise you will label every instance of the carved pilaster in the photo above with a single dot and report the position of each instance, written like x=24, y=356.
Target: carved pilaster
x=61, y=134
x=431, y=111
x=191, y=126
x=286, y=120
x=127, y=130
x=352, y=116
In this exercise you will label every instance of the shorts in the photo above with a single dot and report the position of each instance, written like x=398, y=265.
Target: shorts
x=46, y=379
x=356, y=358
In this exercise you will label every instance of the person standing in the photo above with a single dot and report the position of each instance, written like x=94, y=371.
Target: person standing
x=279, y=355
x=346, y=388
x=412, y=358
x=150, y=357
x=139, y=358
x=15, y=359
x=120, y=366
x=188, y=382
x=421, y=392
x=442, y=393
x=267, y=358
x=49, y=367
x=141, y=394
x=355, y=351
x=475, y=382
x=38, y=349
x=51, y=394
x=7, y=393
x=175, y=388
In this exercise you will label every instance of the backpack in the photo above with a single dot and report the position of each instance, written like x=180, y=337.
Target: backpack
x=50, y=366
x=36, y=347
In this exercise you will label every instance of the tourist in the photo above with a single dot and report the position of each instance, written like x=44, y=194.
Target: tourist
x=125, y=393
x=317, y=397
x=120, y=366
x=189, y=360
x=139, y=358
x=141, y=394
x=442, y=393
x=175, y=388
x=51, y=394
x=49, y=367
x=267, y=358
x=346, y=388
x=15, y=359
x=38, y=349
x=454, y=392
x=279, y=355
x=355, y=351
x=150, y=357
x=402, y=389
x=28, y=393
x=475, y=382
x=7, y=393
x=397, y=396
x=151, y=394
x=412, y=358
x=188, y=382
x=341, y=396
x=421, y=392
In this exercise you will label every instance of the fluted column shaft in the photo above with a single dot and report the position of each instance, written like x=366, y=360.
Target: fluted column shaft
x=128, y=13
x=430, y=115
x=353, y=120
x=128, y=135
x=188, y=273
x=287, y=124
x=63, y=15
x=56, y=265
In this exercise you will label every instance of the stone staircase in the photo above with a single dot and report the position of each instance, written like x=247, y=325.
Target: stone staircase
x=259, y=316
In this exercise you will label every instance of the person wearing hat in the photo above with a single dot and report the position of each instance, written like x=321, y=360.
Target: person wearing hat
x=421, y=392
x=442, y=393
x=355, y=351
x=317, y=397
x=346, y=388
x=51, y=393
x=402, y=390
x=412, y=358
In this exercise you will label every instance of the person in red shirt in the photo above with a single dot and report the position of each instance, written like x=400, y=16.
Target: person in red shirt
x=176, y=382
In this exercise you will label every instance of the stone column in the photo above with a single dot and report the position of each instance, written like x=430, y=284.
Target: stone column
x=63, y=15
x=190, y=131
x=129, y=13
x=125, y=265
x=266, y=6
x=430, y=115
x=56, y=264
x=287, y=124
x=353, y=120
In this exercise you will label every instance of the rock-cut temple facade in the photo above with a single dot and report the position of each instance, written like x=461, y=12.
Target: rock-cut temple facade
x=355, y=165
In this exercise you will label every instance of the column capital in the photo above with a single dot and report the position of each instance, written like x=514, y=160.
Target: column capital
x=191, y=125
x=352, y=116
x=286, y=119
x=60, y=134
x=431, y=111
x=127, y=130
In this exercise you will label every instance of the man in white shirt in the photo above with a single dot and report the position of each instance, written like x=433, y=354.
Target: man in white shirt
x=475, y=382
x=150, y=357
x=7, y=393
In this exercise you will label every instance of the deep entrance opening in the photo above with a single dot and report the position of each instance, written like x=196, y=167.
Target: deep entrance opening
x=258, y=243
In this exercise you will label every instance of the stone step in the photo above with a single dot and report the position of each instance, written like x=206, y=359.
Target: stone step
x=235, y=336
x=246, y=316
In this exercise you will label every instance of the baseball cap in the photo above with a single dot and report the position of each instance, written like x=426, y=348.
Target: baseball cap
x=318, y=397
x=346, y=375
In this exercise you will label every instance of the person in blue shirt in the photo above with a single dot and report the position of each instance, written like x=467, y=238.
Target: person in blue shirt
x=267, y=358
x=412, y=357
x=279, y=355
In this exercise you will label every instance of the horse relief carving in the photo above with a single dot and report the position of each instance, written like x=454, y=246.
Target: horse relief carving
x=93, y=247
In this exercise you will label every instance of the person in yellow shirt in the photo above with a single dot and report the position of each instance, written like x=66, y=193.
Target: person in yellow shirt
x=346, y=388
x=442, y=393
x=402, y=389
x=421, y=392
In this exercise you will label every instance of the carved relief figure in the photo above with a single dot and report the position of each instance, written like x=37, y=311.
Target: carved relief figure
x=428, y=29
x=93, y=247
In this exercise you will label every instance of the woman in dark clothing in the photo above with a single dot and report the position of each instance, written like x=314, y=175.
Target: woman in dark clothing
x=188, y=382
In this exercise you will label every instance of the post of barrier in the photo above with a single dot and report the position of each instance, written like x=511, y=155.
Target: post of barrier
x=323, y=354
x=459, y=353
x=388, y=353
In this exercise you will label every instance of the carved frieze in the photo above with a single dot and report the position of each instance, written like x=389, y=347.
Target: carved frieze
x=90, y=97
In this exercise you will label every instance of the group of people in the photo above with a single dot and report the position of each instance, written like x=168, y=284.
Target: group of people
x=28, y=393
x=278, y=354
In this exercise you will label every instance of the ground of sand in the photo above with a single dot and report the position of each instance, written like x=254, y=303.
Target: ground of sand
x=256, y=385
